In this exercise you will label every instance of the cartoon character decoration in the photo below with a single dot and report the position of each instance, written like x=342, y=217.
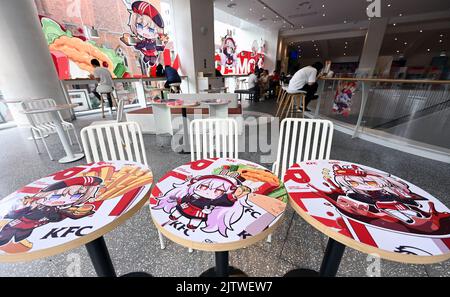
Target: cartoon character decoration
x=228, y=50
x=213, y=202
x=61, y=200
x=147, y=27
x=382, y=200
x=343, y=98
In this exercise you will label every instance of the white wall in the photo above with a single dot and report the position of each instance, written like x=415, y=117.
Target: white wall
x=244, y=34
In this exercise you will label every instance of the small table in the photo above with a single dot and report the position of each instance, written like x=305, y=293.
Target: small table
x=70, y=156
x=368, y=210
x=218, y=205
x=42, y=220
x=218, y=108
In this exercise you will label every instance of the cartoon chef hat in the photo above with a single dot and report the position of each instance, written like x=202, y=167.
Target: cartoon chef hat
x=75, y=181
x=145, y=8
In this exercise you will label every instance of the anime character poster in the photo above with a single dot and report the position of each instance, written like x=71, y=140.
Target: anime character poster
x=230, y=61
x=147, y=32
x=343, y=98
x=371, y=206
x=70, y=204
x=218, y=200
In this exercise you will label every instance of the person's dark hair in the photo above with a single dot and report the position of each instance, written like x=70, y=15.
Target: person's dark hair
x=318, y=66
x=95, y=62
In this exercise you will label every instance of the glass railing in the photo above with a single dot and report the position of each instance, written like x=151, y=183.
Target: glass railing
x=404, y=114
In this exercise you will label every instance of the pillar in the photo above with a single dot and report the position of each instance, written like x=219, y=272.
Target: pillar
x=372, y=46
x=27, y=67
x=194, y=37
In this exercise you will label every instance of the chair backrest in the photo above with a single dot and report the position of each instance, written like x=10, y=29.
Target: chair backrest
x=120, y=111
x=302, y=140
x=114, y=141
x=39, y=118
x=214, y=138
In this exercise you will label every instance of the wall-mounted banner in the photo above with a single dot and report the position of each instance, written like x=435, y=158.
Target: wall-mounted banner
x=230, y=61
x=343, y=98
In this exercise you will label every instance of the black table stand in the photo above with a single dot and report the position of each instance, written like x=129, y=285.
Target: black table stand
x=222, y=268
x=330, y=263
x=185, y=149
x=98, y=252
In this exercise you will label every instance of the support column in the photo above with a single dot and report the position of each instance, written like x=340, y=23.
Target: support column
x=194, y=35
x=372, y=45
x=27, y=67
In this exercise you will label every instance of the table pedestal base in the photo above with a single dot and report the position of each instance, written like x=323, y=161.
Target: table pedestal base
x=98, y=252
x=222, y=268
x=330, y=262
x=68, y=159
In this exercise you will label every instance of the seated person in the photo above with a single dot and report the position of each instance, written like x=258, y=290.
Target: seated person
x=264, y=81
x=105, y=81
x=305, y=79
x=171, y=76
x=274, y=82
x=253, y=85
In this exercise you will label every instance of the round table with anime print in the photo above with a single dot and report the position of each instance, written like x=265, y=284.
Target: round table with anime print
x=71, y=208
x=369, y=210
x=218, y=205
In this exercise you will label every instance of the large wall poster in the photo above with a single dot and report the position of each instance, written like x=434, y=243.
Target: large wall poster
x=127, y=37
x=229, y=60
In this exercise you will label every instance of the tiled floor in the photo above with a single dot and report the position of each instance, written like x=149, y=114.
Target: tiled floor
x=134, y=246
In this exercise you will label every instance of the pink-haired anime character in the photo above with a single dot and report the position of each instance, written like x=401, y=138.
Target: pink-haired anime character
x=375, y=197
x=218, y=201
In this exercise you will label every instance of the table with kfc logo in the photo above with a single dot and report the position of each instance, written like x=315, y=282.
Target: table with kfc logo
x=218, y=205
x=70, y=208
x=369, y=210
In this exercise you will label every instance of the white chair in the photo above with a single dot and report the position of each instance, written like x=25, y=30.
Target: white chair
x=302, y=140
x=213, y=138
x=42, y=123
x=116, y=141
x=120, y=115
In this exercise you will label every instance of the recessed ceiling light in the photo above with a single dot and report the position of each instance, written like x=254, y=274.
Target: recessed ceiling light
x=440, y=40
x=251, y=9
x=400, y=14
x=323, y=5
x=428, y=49
x=345, y=21
x=398, y=51
x=344, y=54
x=442, y=35
x=406, y=43
x=395, y=38
x=389, y=5
x=264, y=7
x=346, y=42
x=345, y=46
x=421, y=31
x=323, y=14
x=394, y=24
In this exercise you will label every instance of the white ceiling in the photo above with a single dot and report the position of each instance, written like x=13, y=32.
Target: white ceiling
x=315, y=13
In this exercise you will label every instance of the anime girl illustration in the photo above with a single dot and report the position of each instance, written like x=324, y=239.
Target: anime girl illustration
x=147, y=27
x=216, y=201
x=343, y=98
x=228, y=51
x=61, y=200
x=381, y=200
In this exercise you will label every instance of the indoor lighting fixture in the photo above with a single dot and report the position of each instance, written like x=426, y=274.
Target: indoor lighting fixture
x=440, y=40
x=323, y=14
x=400, y=14
x=398, y=51
x=442, y=35
x=420, y=31
x=323, y=5
x=428, y=49
x=406, y=43
x=389, y=5
x=395, y=38
x=345, y=21
x=394, y=24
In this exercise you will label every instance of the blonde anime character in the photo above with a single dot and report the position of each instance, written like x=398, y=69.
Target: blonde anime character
x=147, y=28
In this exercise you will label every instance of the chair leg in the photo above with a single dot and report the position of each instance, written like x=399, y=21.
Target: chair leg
x=34, y=140
x=281, y=103
x=161, y=240
x=102, y=106
x=45, y=145
x=304, y=105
